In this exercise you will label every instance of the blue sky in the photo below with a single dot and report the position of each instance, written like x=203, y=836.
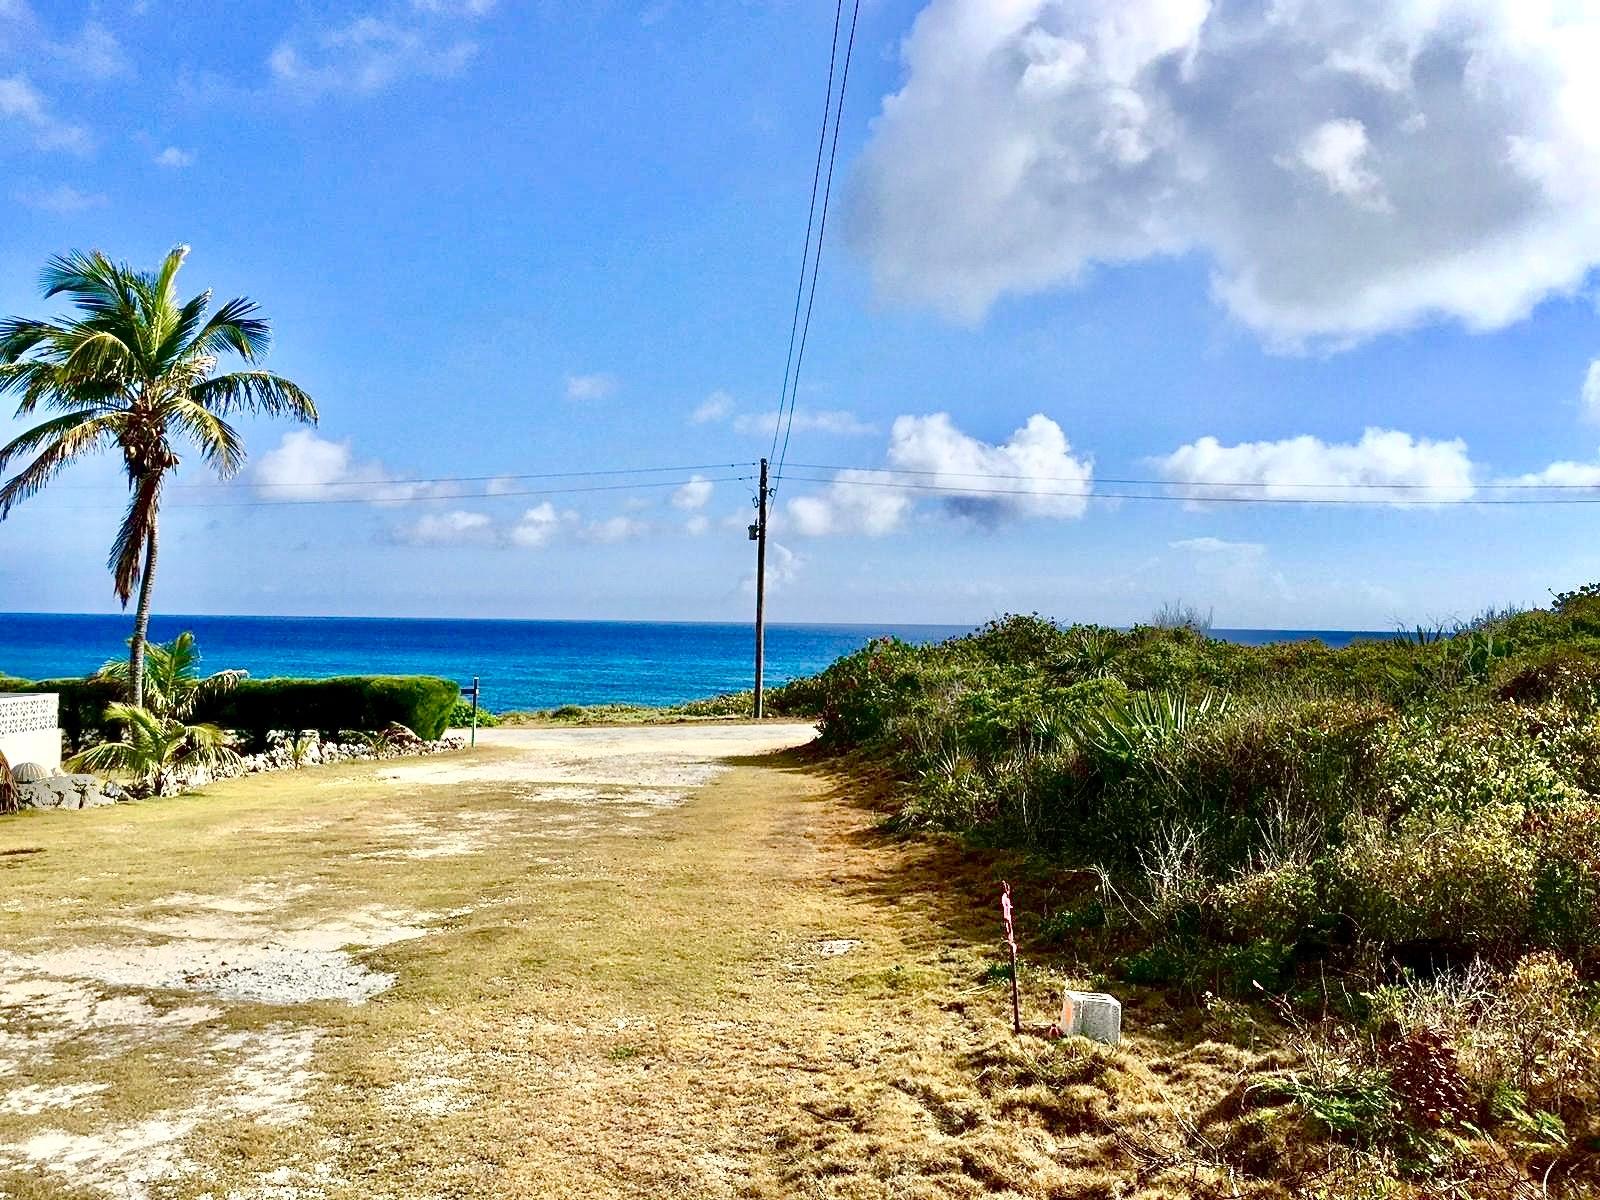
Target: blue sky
x=505, y=238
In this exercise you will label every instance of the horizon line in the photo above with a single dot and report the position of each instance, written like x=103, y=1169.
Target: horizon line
x=666, y=621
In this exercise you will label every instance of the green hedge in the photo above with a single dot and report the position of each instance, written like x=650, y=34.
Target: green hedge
x=83, y=704
x=422, y=703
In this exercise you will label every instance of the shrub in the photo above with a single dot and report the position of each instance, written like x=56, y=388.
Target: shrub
x=1277, y=903
x=422, y=703
x=1501, y=754
x=1566, y=672
x=797, y=698
x=1439, y=878
x=729, y=704
x=461, y=716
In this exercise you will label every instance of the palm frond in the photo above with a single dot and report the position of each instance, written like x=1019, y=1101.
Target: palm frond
x=185, y=326
x=73, y=439
x=94, y=283
x=218, y=441
x=152, y=744
x=258, y=392
x=167, y=275
x=236, y=327
x=20, y=335
x=127, y=549
x=68, y=425
x=173, y=685
x=95, y=353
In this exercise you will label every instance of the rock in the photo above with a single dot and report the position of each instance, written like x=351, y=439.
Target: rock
x=68, y=791
x=401, y=735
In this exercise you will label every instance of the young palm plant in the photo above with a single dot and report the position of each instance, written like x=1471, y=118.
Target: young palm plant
x=154, y=748
x=134, y=369
x=173, y=685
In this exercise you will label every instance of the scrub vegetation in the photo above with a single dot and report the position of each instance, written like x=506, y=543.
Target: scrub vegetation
x=1382, y=860
x=796, y=698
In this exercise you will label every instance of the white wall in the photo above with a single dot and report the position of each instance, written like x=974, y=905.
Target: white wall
x=42, y=746
x=29, y=732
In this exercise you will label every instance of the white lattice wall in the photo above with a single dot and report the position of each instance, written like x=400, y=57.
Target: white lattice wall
x=29, y=730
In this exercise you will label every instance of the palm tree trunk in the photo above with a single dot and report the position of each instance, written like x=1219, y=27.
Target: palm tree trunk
x=141, y=620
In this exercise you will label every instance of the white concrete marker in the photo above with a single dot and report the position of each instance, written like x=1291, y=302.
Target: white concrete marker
x=1093, y=1015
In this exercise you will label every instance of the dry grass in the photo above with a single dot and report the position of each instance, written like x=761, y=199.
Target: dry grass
x=607, y=996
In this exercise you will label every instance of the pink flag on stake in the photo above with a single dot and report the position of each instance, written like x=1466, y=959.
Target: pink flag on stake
x=1011, y=942
x=1005, y=914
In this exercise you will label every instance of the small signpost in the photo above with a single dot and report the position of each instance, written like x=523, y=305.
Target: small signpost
x=473, y=692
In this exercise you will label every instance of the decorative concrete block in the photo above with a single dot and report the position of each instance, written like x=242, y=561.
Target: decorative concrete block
x=1093, y=1015
x=29, y=731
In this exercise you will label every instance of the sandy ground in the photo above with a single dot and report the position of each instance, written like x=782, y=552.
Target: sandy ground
x=176, y=974
x=649, y=962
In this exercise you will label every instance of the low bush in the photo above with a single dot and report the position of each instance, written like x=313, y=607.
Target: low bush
x=461, y=716
x=422, y=703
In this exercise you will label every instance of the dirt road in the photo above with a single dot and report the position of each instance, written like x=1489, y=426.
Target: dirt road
x=655, y=961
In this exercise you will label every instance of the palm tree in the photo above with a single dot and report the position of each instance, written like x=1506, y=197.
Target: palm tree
x=153, y=747
x=133, y=368
x=173, y=685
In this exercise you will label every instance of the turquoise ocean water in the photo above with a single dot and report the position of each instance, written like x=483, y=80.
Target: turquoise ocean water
x=523, y=664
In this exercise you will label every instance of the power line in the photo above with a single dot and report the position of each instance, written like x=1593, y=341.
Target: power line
x=432, y=497
x=372, y=483
x=985, y=493
x=811, y=216
x=822, y=230
x=1218, y=483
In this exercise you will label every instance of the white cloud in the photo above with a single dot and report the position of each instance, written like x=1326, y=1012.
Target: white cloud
x=614, y=529
x=307, y=467
x=694, y=494
x=367, y=55
x=833, y=422
x=456, y=8
x=1590, y=396
x=457, y=528
x=783, y=568
x=1032, y=474
x=855, y=502
x=599, y=386
x=25, y=105
x=1217, y=548
x=1337, y=153
x=714, y=407
x=1346, y=169
x=1385, y=465
x=175, y=157
x=539, y=525
x=542, y=524
x=62, y=200
x=95, y=53
x=1561, y=474
x=697, y=525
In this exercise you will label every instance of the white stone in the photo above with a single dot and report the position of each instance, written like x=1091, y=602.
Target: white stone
x=1094, y=1015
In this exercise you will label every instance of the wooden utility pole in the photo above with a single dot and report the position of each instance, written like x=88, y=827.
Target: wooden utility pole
x=758, y=531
